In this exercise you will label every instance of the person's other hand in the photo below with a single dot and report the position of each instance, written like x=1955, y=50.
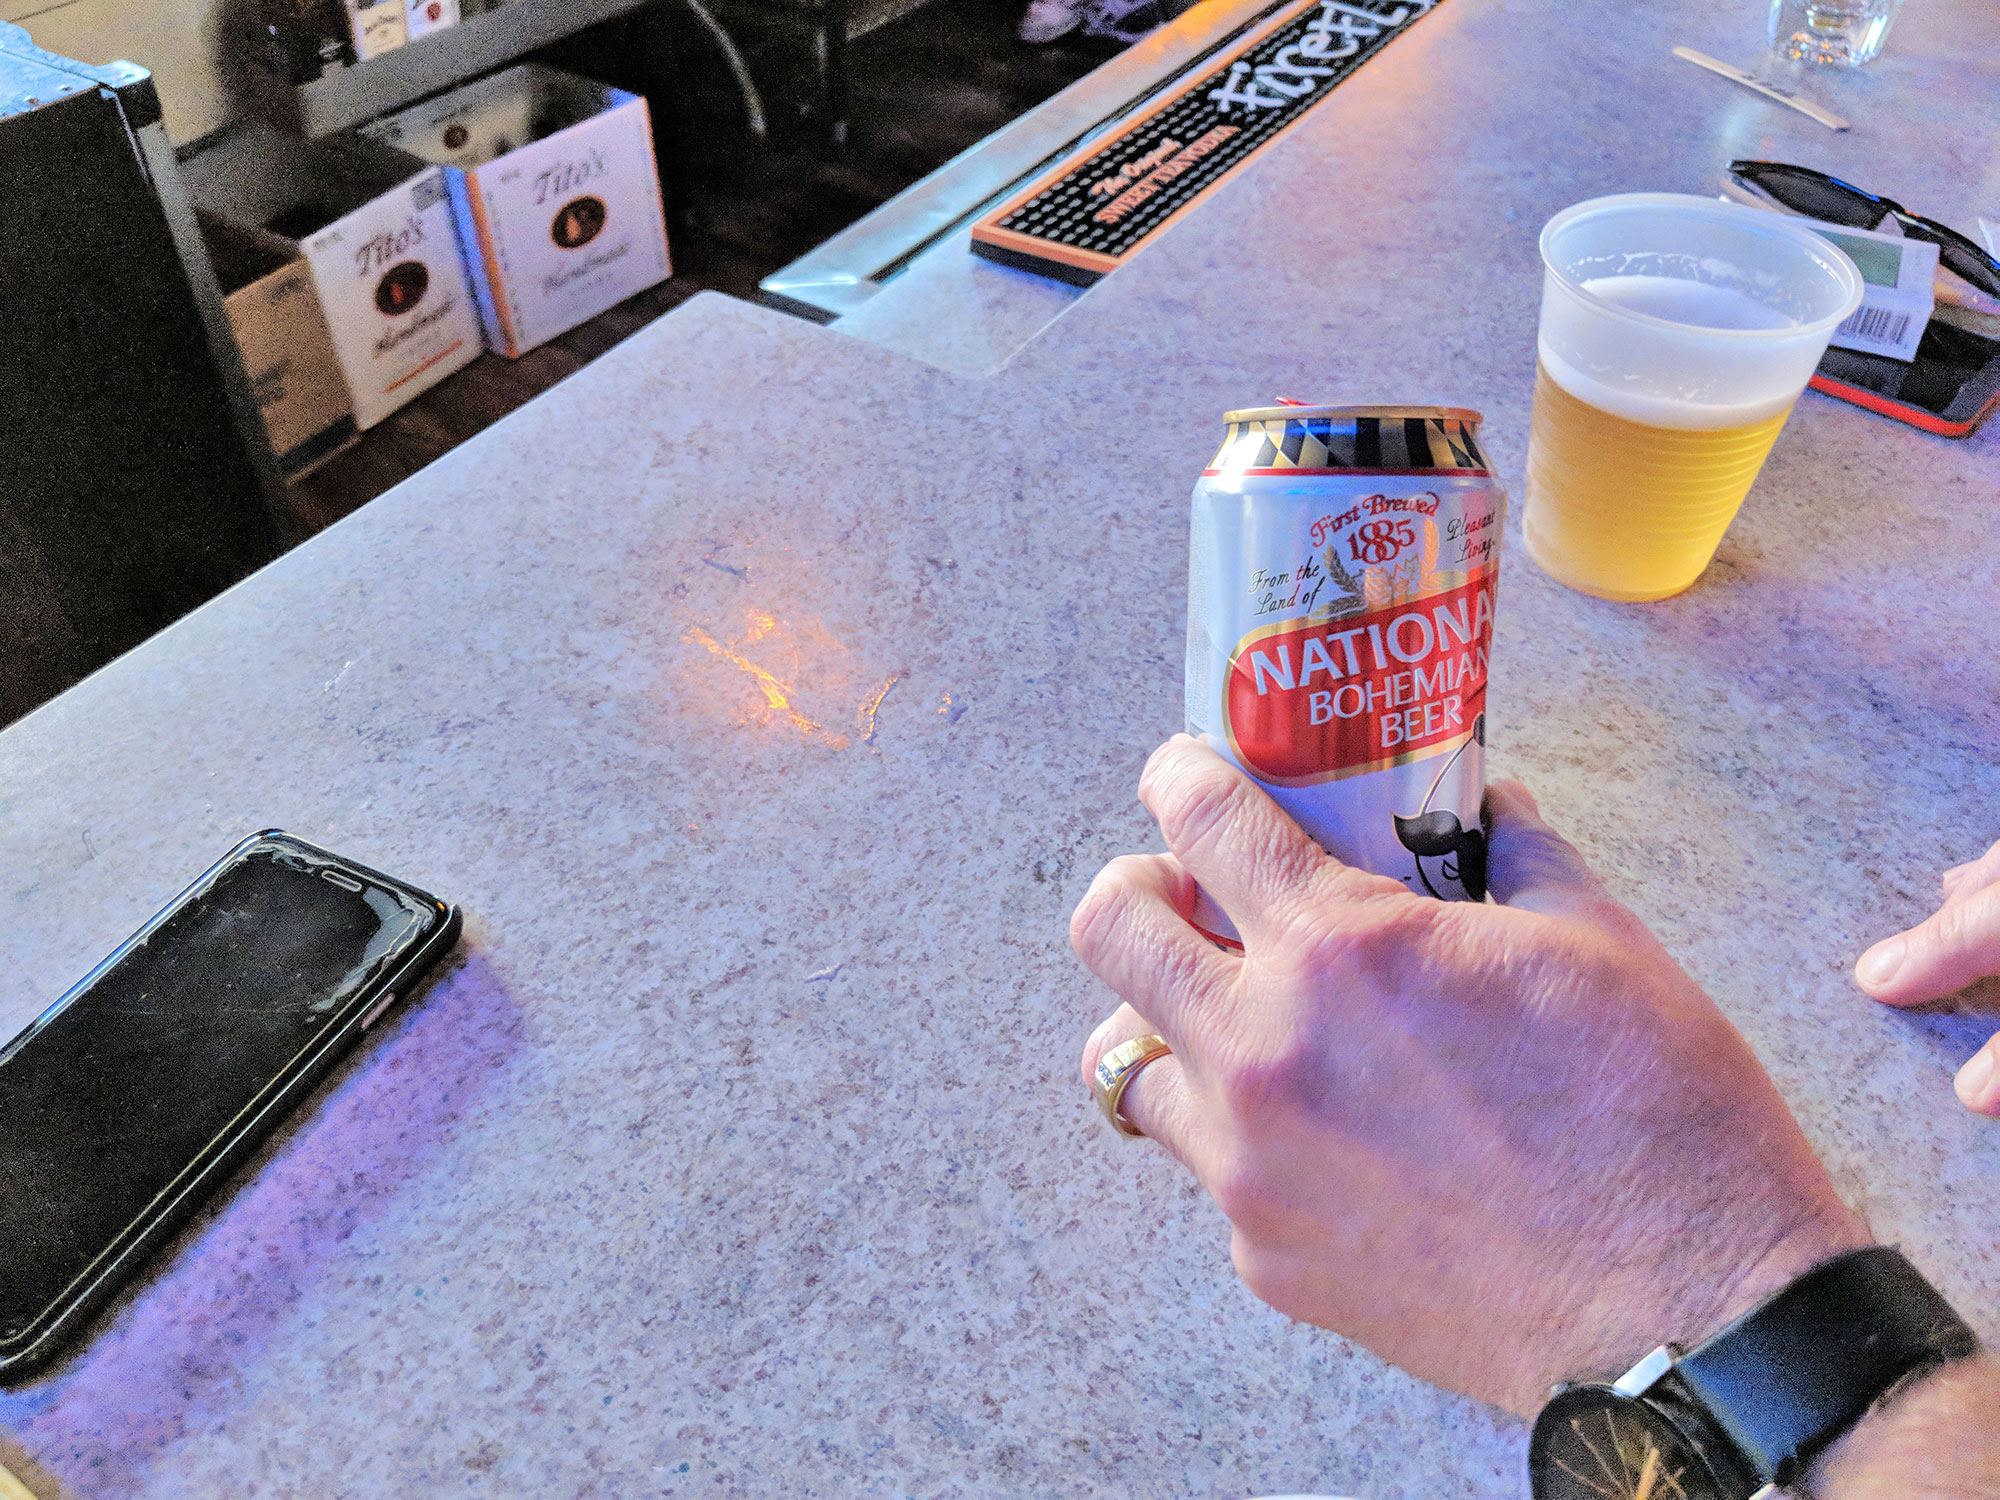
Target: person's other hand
x=1957, y=945
x=1499, y=1145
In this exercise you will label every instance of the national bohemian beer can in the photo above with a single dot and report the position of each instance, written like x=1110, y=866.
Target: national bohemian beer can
x=1340, y=613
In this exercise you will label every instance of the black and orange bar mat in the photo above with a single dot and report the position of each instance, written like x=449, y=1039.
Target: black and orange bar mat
x=1094, y=212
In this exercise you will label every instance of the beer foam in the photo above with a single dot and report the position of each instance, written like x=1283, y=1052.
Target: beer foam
x=1698, y=304
x=1650, y=398
x=1653, y=410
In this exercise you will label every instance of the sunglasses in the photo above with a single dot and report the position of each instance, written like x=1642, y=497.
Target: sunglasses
x=1819, y=196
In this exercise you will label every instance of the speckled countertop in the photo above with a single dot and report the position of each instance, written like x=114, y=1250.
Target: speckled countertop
x=767, y=697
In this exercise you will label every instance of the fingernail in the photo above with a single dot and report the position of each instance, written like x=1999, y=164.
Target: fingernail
x=1975, y=1080
x=1879, y=964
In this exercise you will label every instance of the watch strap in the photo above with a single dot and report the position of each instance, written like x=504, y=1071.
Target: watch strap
x=1795, y=1372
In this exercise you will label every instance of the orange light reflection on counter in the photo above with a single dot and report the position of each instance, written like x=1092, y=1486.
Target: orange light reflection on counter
x=816, y=669
x=777, y=694
x=872, y=707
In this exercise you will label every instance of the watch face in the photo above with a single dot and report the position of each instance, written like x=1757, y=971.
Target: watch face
x=1591, y=1443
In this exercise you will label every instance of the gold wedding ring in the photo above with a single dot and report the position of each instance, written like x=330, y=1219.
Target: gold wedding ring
x=1116, y=1070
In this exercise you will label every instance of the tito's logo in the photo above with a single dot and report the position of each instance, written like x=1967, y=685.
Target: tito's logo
x=402, y=287
x=1316, y=702
x=579, y=222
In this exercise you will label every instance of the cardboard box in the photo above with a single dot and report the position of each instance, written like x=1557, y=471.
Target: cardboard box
x=273, y=307
x=378, y=26
x=427, y=16
x=376, y=229
x=555, y=190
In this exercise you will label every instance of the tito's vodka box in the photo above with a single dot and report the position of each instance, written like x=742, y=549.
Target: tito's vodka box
x=556, y=193
x=377, y=230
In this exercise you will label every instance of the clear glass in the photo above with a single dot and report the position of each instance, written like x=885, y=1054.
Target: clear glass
x=1831, y=33
x=1676, y=332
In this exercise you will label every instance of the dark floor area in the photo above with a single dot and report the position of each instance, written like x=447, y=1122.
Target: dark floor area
x=923, y=88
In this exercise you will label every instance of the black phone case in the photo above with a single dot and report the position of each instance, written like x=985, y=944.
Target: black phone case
x=1949, y=388
x=44, y=1339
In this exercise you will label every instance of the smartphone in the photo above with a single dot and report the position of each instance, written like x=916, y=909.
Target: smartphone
x=132, y=1098
x=1949, y=388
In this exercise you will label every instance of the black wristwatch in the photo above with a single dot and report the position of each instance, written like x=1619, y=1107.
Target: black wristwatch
x=1745, y=1412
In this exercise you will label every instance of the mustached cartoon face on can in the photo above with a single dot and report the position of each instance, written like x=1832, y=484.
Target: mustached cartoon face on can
x=402, y=287
x=578, y=222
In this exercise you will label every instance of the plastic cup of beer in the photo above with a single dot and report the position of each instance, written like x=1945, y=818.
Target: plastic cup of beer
x=1676, y=333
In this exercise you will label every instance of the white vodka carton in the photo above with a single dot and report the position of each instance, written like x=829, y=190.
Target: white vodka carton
x=396, y=294
x=378, y=26
x=556, y=194
x=426, y=16
x=377, y=230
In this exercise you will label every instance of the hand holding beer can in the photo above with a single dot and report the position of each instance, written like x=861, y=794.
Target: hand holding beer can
x=1343, y=566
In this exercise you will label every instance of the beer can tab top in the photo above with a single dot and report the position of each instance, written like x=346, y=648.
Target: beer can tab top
x=1289, y=408
x=1413, y=440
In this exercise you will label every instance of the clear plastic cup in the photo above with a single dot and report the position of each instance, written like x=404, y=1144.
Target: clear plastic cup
x=1676, y=333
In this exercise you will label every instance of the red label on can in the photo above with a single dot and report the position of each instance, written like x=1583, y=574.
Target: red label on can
x=1317, y=701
